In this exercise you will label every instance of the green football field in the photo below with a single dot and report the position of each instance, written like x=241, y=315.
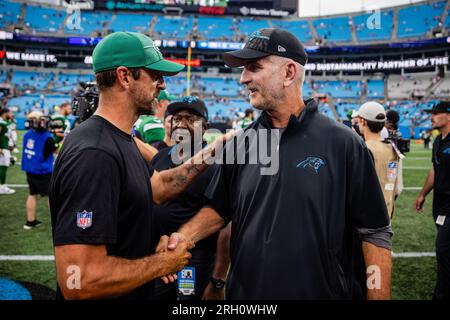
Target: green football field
x=413, y=277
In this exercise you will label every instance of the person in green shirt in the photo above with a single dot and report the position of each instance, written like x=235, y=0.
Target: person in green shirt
x=244, y=122
x=150, y=128
x=5, y=152
x=62, y=122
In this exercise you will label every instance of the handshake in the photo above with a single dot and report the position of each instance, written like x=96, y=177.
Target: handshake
x=174, y=255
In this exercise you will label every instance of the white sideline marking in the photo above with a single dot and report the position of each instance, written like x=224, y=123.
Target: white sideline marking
x=52, y=258
x=27, y=258
x=412, y=188
x=413, y=254
x=419, y=158
x=17, y=185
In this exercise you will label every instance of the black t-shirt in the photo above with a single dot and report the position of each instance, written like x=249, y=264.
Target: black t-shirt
x=441, y=164
x=170, y=215
x=100, y=193
x=160, y=144
x=292, y=232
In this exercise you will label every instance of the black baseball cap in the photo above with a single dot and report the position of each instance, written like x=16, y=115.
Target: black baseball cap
x=441, y=107
x=190, y=103
x=266, y=42
x=392, y=116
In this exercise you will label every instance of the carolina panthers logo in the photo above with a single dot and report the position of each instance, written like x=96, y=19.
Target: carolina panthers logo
x=312, y=163
x=446, y=151
x=189, y=99
x=257, y=35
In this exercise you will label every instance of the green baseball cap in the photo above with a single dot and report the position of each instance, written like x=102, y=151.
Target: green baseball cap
x=165, y=95
x=132, y=50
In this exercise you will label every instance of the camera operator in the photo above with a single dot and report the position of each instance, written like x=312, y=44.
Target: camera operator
x=372, y=117
x=390, y=132
x=37, y=162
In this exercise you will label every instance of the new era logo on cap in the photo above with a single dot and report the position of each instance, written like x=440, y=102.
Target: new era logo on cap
x=266, y=42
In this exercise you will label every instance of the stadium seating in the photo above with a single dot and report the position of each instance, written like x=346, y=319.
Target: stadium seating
x=46, y=103
x=375, y=89
x=9, y=12
x=416, y=21
x=338, y=89
x=3, y=76
x=90, y=22
x=381, y=32
x=27, y=80
x=299, y=28
x=134, y=22
x=173, y=27
x=67, y=82
x=40, y=19
x=404, y=87
x=216, y=28
x=248, y=25
x=334, y=29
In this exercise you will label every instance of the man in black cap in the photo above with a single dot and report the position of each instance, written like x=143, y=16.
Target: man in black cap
x=292, y=232
x=189, y=123
x=438, y=179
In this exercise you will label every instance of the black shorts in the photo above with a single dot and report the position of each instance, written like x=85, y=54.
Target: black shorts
x=39, y=183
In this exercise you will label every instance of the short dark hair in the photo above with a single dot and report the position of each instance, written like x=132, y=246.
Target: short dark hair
x=375, y=126
x=248, y=112
x=106, y=79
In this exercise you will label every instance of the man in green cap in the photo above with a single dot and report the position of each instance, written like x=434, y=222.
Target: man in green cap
x=150, y=127
x=61, y=123
x=102, y=190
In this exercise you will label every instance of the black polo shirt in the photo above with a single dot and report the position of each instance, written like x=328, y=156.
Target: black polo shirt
x=100, y=193
x=171, y=215
x=292, y=232
x=441, y=165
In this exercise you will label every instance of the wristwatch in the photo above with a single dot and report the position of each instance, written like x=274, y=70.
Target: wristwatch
x=217, y=283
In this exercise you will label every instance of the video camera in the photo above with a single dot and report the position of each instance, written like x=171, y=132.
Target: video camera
x=40, y=124
x=403, y=145
x=85, y=101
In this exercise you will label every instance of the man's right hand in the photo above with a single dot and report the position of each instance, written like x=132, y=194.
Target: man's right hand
x=419, y=203
x=176, y=248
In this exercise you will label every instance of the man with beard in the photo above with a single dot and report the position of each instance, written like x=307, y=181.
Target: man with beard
x=189, y=115
x=293, y=230
x=102, y=189
x=439, y=179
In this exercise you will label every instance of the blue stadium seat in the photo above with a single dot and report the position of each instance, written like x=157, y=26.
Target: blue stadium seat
x=131, y=22
x=9, y=12
x=299, y=28
x=416, y=21
x=68, y=82
x=249, y=25
x=375, y=89
x=31, y=80
x=44, y=19
x=173, y=27
x=381, y=32
x=334, y=29
x=90, y=22
x=216, y=28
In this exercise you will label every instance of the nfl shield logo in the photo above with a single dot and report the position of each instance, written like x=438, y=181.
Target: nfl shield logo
x=392, y=170
x=84, y=219
x=30, y=144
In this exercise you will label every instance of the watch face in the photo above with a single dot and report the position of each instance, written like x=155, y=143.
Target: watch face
x=218, y=284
